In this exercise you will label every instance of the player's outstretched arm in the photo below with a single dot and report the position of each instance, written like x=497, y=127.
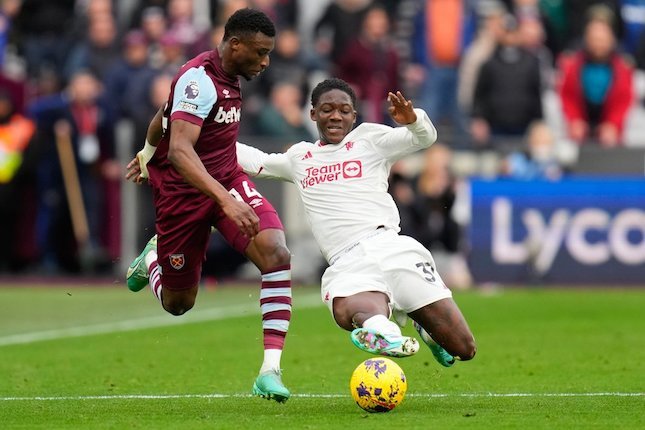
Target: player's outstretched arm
x=260, y=164
x=417, y=131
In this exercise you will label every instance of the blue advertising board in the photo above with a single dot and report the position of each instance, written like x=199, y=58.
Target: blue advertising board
x=572, y=231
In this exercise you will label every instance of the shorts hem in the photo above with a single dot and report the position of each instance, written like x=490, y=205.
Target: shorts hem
x=179, y=281
x=447, y=295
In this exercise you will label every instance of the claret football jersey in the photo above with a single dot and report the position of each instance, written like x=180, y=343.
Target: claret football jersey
x=204, y=95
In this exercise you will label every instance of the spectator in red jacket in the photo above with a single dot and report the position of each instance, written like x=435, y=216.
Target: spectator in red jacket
x=596, y=87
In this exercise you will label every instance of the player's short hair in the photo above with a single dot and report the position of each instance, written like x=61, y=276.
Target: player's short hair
x=247, y=22
x=332, y=84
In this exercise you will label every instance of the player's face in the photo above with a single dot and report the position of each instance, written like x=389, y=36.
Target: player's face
x=334, y=115
x=250, y=54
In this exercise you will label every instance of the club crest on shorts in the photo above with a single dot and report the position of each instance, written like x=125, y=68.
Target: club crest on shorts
x=177, y=261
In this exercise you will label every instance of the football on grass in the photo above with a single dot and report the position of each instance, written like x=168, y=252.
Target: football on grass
x=378, y=385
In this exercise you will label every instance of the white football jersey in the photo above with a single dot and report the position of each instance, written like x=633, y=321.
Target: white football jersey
x=344, y=186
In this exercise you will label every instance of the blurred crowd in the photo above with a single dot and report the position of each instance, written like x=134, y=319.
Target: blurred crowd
x=525, y=79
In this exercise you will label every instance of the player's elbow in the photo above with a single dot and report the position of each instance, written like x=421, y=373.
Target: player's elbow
x=427, y=137
x=175, y=155
x=426, y=142
x=432, y=135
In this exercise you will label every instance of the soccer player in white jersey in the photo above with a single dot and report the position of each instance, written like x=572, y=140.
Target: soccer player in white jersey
x=373, y=271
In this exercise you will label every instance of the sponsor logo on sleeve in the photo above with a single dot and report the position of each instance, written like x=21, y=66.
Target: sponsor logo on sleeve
x=187, y=107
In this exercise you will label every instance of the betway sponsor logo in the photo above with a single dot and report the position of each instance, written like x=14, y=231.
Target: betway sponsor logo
x=332, y=172
x=232, y=115
x=591, y=236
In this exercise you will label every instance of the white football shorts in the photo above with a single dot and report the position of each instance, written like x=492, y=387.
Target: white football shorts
x=396, y=265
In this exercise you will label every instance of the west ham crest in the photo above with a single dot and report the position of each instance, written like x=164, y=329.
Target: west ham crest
x=177, y=261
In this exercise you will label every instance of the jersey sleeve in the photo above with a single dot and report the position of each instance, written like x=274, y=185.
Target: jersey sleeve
x=398, y=142
x=259, y=164
x=194, y=96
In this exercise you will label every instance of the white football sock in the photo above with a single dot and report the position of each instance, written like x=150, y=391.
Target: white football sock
x=271, y=360
x=150, y=257
x=383, y=325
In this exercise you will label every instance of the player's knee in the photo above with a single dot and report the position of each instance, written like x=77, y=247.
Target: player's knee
x=467, y=349
x=344, y=322
x=178, y=307
x=282, y=255
x=277, y=255
x=341, y=315
x=269, y=250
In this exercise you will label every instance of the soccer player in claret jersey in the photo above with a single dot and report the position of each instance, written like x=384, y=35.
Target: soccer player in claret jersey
x=190, y=160
x=373, y=271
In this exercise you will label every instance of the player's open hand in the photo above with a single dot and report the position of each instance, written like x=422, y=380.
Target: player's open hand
x=401, y=109
x=134, y=172
x=243, y=216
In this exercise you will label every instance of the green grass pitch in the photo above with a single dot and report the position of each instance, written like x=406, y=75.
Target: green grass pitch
x=105, y=358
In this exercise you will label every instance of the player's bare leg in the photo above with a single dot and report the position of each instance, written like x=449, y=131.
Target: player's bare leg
x=269, y=252
x=366, y=315
x=442, y=324
x=352, y=311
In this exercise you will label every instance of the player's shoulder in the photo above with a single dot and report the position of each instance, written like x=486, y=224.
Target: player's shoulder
x=195, y=84
x=300, y=148
x=371, y=127
x=194, y=63
x=193, y=71
x=368, y=131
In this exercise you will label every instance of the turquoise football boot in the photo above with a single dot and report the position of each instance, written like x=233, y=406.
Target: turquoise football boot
x=269, y=385
x=137, y=274
x=440, y=354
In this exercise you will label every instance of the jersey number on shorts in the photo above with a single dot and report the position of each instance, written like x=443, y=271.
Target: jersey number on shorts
x=254, y=198
x=427, y=270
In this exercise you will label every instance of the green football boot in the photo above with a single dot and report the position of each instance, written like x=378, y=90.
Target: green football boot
x=269, y=385
x=440, y=354
x=137, y=275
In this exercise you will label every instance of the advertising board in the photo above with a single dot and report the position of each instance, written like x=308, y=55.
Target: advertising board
x=578, y=230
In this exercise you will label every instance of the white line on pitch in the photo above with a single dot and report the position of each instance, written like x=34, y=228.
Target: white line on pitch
x=321, y=396
x=195, y=316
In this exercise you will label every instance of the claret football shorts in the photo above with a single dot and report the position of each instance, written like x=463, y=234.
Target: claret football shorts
x=184, y=223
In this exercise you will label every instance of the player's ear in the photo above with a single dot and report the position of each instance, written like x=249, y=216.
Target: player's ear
x=234, y=42
x=312, y=114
